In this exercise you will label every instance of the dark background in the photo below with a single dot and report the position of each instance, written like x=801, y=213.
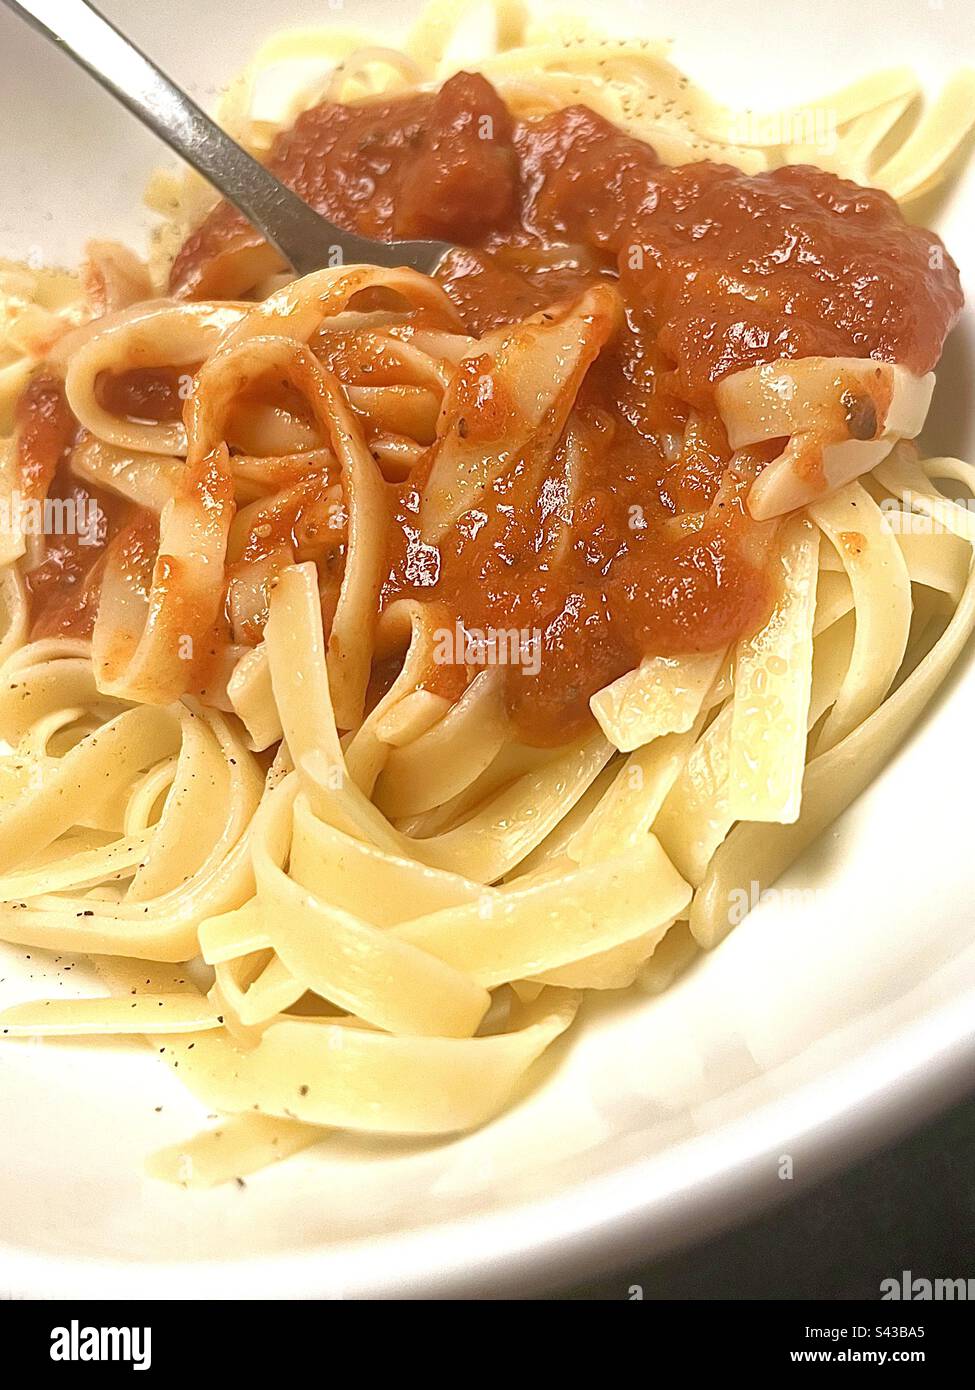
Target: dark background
x=910, y=1207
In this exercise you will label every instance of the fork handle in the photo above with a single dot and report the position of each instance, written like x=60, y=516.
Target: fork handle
x=306, y=240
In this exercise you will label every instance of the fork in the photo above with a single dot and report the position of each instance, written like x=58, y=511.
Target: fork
x=305, y=239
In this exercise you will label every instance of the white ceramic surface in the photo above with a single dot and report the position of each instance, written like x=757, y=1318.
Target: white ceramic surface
x=823, y=1026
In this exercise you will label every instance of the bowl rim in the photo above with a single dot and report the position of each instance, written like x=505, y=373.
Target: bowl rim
x=717, y=1180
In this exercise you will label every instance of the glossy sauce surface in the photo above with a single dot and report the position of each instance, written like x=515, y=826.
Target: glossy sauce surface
x=717, y=270
x=63, y=589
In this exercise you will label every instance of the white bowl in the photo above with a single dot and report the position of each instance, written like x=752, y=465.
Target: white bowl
x=828, y=1022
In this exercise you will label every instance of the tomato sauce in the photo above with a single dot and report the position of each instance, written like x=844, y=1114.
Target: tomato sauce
x=63, y=589
x=731, y=268
x=148, y=395
x=718, y=270
x=45, y=430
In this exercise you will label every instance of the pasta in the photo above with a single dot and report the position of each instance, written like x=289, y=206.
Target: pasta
x=258, y=711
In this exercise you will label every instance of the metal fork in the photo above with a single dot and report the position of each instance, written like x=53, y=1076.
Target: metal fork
x=305, y=239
